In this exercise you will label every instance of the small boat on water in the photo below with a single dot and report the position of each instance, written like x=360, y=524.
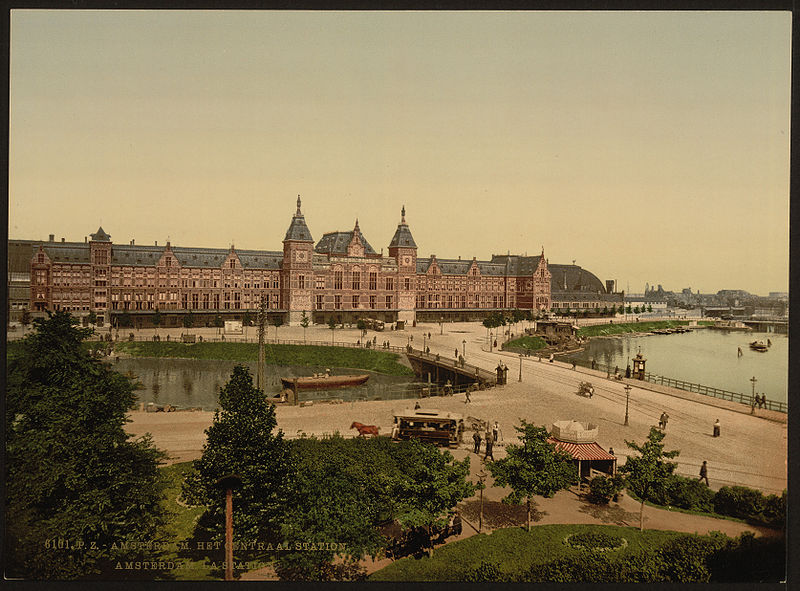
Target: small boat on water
x=325, y=382
x=759, y=346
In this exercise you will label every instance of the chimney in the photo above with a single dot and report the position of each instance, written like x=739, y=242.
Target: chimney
x=156, y=242
x=52, y=237
x=86, y=239
x=131, y=241
x=63, y=239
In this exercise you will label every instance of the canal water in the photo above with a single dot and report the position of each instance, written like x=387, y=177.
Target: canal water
x=195, y=383
x=703, y=356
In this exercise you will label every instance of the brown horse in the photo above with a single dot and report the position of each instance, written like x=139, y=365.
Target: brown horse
x=364, y=430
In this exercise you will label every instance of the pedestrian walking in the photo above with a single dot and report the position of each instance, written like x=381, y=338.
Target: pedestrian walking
x=467, y=399
x=456, y=353
x=496, y=434
x=662, y=422
x=704, y=472
x=489, y=445
x=716, y=428
x=476, y=437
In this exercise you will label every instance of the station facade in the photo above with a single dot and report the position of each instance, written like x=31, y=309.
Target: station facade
x=340, y=277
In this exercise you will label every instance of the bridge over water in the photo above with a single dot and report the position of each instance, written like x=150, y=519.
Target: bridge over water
x=443, y=368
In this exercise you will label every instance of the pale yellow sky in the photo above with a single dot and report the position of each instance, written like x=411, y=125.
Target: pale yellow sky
x=649, y=147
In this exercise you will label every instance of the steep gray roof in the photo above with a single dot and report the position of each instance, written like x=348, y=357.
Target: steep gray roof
x=67, y=252
x=298, y=229
x=100, y=235
x=402, y=236
x=336, y=243
x=518, y=266
x=137, y=256
x=459, y=267
x=576, y=278
x=260, y=259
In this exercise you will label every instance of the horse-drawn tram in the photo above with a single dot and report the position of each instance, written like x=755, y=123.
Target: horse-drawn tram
x=443, y=428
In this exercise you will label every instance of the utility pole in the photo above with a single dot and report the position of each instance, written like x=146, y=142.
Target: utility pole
x=262, y=320
x=753, y=397
x=627, y=397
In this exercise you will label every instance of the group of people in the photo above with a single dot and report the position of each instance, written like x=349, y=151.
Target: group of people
x=760, y=401
x=491, y=436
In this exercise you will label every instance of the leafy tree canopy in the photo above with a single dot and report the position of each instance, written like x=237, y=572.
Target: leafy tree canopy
x=344, y=488
x=649, y=469
x=241, y=441
x=71, y=470
x=533, y=468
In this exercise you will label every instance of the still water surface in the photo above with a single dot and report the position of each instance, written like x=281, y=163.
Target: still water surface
x=196, y=382
x=704, y=356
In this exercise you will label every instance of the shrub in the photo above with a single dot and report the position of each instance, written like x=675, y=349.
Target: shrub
x=750, y=559
x=594, y=541
x=603, y=488
x=740, y=501
x=685, y=558
x=690, y=493
x=485, y=572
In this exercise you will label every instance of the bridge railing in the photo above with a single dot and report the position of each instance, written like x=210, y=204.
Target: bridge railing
x=449, y=363
x=694, y=387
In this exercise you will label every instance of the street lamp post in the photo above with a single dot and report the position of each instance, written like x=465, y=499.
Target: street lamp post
x=520, y=367
x=753, y=396
x=228, y=483
x=627, y=399
x=424, y=336
x=464, y=348
x=481, y=477
x=441, y=325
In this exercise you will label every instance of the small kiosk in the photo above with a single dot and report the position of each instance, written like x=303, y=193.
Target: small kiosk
x=580, y=442
x=638, y=366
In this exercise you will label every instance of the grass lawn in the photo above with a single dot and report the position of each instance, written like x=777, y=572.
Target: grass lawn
x=378, y=361
x=610, y=329
x=514, y=549
x=525, y=343
x=181, y=527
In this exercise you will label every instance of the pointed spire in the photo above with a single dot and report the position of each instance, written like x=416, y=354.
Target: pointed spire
x=357, y=229
x=298, y=207
x=403, y=215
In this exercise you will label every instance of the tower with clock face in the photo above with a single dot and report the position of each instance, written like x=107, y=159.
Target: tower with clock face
x=404, y=250
x=297, y=274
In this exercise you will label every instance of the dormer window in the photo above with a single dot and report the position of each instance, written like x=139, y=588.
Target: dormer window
x=233, y=264
x=168, y=262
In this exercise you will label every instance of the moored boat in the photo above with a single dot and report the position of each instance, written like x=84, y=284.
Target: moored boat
x=325, y=382
x=758, y=346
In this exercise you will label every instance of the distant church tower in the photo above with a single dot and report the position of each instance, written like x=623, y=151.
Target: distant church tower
x=404, y=250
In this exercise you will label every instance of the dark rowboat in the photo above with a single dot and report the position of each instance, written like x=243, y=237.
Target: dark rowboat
x=758, y=346
x=325, y=382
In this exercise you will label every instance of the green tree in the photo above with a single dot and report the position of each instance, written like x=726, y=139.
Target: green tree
x=241, y=441
x=332, y=326
x=621, y=310
x=26, y=317
x=156, y=319
x=649, y=470
x=628, y=309
x=72, y=471
x=247, y=318
x=533, y=468
x=305, y=321
x=92, y=317
x=649, y=308
x=188, y=319
x=636, y=310
x=433, y=484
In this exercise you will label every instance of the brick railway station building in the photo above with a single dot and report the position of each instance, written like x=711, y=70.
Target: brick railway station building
x=339, y=277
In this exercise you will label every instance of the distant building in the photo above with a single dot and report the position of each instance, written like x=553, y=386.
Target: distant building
x=340, y=277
